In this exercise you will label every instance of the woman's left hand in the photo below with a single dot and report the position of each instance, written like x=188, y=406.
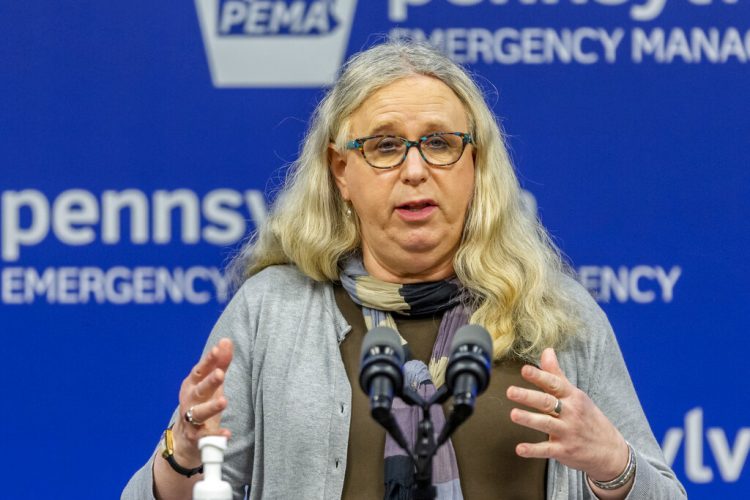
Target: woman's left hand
x=580, y=436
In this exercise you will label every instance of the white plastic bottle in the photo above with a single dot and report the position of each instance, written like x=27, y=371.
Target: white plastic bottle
x=212, y=455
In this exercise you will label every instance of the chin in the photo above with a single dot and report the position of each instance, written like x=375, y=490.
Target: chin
x=419, y=246
x=427, y=258
x=421, y=240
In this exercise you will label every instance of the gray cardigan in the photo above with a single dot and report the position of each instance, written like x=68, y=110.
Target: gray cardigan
x=289, y=396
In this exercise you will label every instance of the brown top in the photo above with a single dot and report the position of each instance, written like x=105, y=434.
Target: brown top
x=485, y=444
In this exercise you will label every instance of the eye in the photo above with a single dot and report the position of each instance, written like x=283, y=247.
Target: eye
x=388, y=145
x=436, y=142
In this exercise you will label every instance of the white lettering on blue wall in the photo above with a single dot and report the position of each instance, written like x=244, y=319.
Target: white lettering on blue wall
x=78, y=217
x=640, y=10
x=730, y=459
x=643, y=284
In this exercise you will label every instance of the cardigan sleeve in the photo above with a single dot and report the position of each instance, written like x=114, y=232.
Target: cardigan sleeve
x=237, y=324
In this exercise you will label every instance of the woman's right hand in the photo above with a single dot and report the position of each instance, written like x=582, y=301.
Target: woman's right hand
x=203, y=391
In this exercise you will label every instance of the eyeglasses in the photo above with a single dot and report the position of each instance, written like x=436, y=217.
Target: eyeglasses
x=389, y=151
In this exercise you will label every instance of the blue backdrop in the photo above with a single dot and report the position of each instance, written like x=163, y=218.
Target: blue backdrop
x=141, y=140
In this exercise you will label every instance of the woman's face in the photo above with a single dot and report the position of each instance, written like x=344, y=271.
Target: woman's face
x=411, y=216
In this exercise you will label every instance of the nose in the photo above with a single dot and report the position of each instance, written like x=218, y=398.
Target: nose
x=414, y=170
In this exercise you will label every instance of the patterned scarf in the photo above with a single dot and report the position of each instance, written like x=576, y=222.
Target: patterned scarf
x=378, y=300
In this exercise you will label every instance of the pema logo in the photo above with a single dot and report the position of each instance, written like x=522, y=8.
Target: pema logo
x=263, y=43
x=249, y=18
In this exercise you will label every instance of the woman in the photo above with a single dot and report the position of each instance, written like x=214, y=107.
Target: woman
x=403, y=209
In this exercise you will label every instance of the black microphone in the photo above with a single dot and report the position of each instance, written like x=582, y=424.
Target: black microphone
x=380, y=375
x=467, y=374
x=382, y=378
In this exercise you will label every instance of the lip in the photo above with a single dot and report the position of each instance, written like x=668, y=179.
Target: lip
x=427, y=207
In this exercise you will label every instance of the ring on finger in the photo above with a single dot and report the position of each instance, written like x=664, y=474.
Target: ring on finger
x=189, y=418
x=557, y=409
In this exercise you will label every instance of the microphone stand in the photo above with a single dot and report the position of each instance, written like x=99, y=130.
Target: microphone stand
x=426, y=446
x=468, y=367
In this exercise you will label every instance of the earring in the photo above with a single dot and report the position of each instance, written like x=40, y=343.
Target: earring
x=348, y=211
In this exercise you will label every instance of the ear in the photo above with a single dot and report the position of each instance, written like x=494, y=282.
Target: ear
x=337, y=164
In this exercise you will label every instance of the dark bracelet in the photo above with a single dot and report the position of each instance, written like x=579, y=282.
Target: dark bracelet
x=623, y=478
x=168, y=454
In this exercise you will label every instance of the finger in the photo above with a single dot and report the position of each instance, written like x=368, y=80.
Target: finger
x=192, y=434
x=206, y=388
x=225, y=353
x=548, y=382
x=535, y=399
x=186, y=439
x=550, y=364
x=203, y=412
x=545, y=449
x=219, y=356
x=542, y=423
x=221, y=431
x=204, y=366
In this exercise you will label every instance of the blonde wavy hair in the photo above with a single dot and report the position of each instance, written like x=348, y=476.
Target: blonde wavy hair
x=510, y=269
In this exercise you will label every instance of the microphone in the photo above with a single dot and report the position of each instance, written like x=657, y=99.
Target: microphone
x=382, y=378
x=467, y=374
x=380, y=375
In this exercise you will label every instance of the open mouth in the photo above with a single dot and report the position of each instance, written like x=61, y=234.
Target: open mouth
x=416, y=206
x=417, y=210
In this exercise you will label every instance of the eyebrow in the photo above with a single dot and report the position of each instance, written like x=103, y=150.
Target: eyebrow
x=387, y=128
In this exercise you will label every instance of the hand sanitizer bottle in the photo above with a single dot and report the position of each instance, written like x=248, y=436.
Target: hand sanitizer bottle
x=212, y=455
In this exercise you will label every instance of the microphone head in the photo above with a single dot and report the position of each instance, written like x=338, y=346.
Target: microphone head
x=471, y=354
x=382, y=336
x=473, y=335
